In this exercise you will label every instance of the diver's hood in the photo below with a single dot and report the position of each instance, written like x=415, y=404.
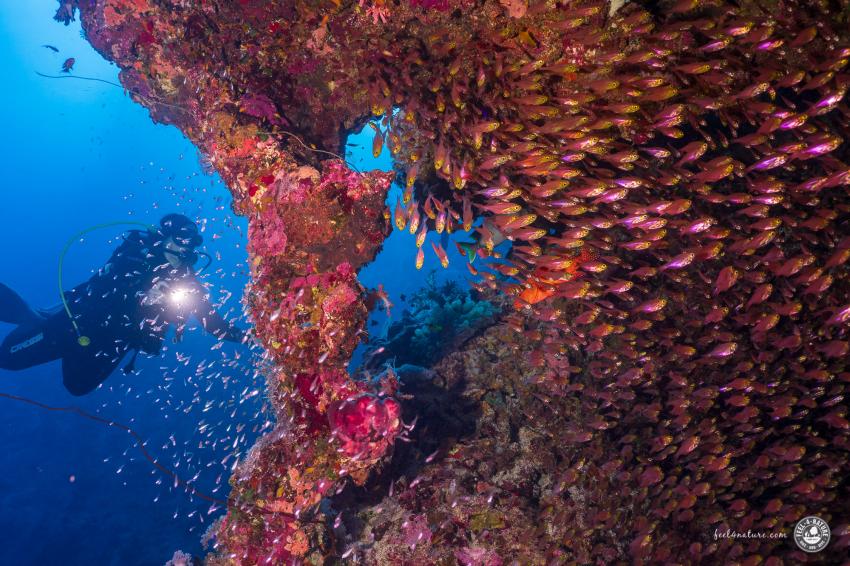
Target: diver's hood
x=181, y=229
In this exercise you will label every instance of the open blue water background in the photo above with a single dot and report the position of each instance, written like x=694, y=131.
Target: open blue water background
x=78, y=153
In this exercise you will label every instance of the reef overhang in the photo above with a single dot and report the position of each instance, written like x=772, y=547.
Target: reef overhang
x=673, y=176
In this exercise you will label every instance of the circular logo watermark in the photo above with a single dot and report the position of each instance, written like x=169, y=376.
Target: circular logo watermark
x=811, y=534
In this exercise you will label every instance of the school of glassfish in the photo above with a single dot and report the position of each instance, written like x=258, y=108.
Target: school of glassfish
x=673, y=181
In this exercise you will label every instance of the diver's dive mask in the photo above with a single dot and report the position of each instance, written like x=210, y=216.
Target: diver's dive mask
x=183, y=256
x=180, y=237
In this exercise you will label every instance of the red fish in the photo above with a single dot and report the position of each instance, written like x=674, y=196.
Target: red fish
x=377, y=141
x=411, y=176
x=414, y=219
x=441, y=254
x=441, y=221
x=400, y=215
x=723, y=350
x=839, y=316
x=467, y=214
x=726, y=279
x=68, y=65
x=420, y=237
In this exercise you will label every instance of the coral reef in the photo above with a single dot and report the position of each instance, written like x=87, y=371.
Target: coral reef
x=308, y=309
x=180, y=558
x=493, y=481
x=673, y=176
x=440, y=318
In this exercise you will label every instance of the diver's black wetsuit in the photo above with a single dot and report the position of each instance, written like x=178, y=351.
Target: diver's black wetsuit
x=127, y=305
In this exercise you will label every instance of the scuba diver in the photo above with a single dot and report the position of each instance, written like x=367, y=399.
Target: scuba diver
x=147, y=285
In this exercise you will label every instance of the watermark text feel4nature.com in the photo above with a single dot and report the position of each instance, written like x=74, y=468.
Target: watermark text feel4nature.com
x=811, y=534
x=729, y=533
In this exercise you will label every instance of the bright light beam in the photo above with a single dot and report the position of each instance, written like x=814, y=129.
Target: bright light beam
x=179, y=296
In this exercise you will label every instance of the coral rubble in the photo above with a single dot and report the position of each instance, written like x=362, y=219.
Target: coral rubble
x=673, y=176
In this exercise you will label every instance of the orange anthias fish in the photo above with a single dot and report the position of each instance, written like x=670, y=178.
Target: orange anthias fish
x=533, y=294
x=545, y=279
x=68, y=65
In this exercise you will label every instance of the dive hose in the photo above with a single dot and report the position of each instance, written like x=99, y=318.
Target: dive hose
x=206, y=265
x=82, y=339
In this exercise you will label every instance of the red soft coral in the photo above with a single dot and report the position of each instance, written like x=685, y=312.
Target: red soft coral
x=365, y=425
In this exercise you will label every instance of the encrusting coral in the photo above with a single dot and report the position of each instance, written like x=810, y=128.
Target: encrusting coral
x=502, y=491
x=673, y=176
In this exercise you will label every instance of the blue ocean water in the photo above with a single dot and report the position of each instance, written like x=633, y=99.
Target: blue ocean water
x=394, y=267
x=80, y=153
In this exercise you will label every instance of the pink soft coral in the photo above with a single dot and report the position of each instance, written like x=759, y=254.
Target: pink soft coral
x=415, y=530
x=439, y=5
x=266, y=234
x=377, y=11
x=260, y=106
x=477, y=556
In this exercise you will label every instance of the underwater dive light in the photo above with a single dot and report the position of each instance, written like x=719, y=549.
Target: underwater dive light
x=179, y=296
x=82, y=339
